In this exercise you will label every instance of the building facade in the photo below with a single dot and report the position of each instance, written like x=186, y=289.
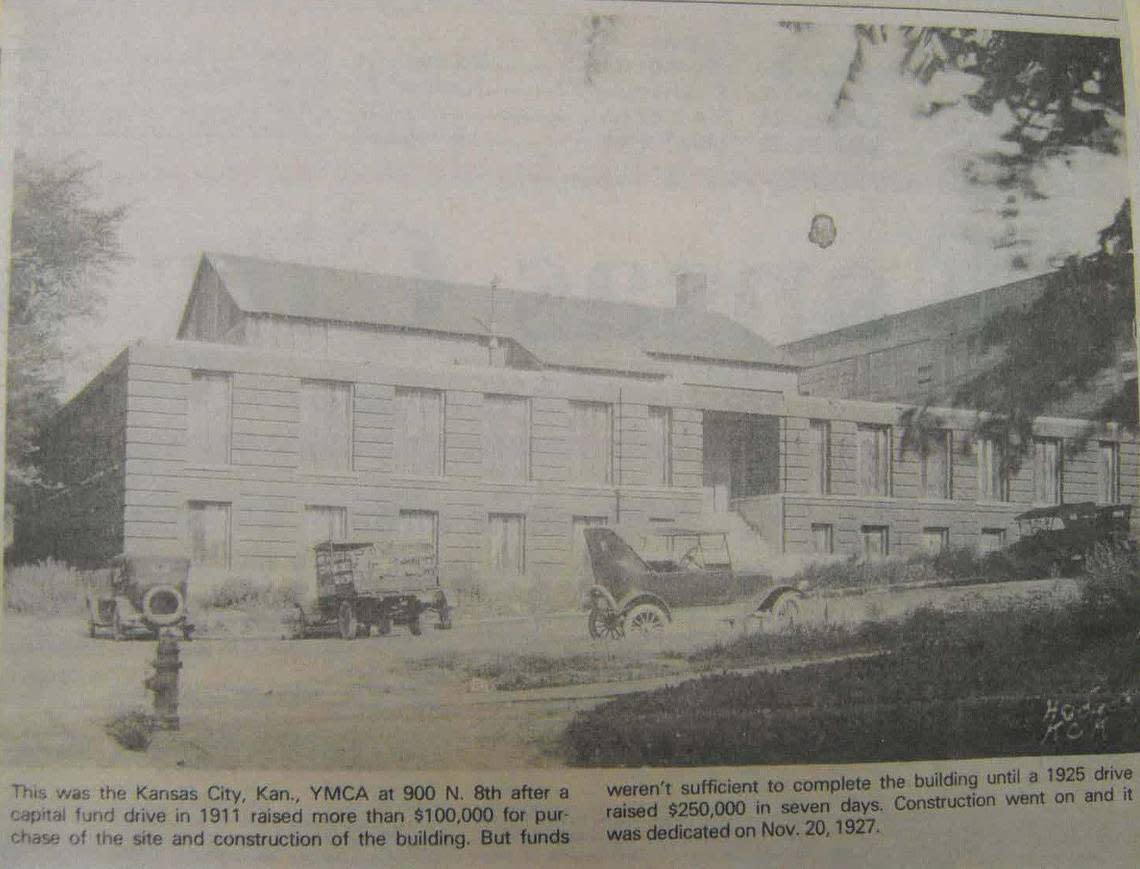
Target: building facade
x=258, y=434
x=922, y=356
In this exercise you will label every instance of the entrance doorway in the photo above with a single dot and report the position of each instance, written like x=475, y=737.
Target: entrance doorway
x=741, y=457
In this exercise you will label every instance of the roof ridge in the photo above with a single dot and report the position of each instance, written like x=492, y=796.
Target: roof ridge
x=459, y=285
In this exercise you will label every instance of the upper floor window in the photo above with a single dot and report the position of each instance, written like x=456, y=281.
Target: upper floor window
x=506, y=438
x=211, y=411
x=660, y=462
x=934, y=467
x=819, y=459
x=1047, y=471
x=993, y=482
x=874, y=460
x=591, y=442
x=326, y=425
x=418, y=437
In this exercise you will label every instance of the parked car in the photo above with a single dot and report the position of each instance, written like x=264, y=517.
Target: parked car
x=139, y=595
x=689, y=567
x=1058, y=539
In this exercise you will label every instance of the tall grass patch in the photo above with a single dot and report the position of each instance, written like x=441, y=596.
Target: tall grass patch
x=49, y=588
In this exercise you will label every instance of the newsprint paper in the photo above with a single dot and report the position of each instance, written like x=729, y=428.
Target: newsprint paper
x=551, y=432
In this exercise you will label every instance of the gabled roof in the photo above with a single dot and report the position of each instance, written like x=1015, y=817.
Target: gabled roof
x=561, y=331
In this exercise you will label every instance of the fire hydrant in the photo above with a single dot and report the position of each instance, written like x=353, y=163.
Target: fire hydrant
x=164, y=682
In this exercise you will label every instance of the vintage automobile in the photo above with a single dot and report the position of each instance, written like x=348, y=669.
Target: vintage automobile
x=636, y=596
x=1056, y=540
x=363, y=584
x=139, y=595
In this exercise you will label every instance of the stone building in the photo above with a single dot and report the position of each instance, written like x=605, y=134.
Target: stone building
x=299, y=404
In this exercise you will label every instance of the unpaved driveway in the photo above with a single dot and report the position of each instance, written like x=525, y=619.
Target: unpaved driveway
x=376, y=703
x=394, y=702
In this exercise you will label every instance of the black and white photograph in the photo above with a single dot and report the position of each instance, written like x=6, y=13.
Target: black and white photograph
x=559, y=385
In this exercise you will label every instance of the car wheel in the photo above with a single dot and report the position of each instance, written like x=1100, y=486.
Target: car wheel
x=604, y=623
x=786, y=614
x=346, y=621
x=645, y=620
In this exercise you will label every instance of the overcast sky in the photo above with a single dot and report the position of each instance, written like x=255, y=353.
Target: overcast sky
x=526, y=141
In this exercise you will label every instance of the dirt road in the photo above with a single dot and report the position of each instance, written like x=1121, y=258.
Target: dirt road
x=395, y=702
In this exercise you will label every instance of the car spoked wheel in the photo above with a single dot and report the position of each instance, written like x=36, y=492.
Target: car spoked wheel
x=645, y=620
x=605, y=623
x=786, y=614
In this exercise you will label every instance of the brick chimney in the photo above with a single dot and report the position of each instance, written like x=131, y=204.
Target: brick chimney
x=693, y=291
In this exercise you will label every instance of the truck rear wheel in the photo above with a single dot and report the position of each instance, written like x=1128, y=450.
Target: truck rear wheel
x=346, y=621
x=117, y=629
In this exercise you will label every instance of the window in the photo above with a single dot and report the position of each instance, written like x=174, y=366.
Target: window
x=934, y=467
x=935, y=540
x=211, y=409
x=876, y=542
x=210, y=533
x=591, y=442
x=874, y=460
x=1047, y=471
x=506, y=438
x=660, y=447
x=418, y=439
x=326, y=425
x=578, y=524
x=421, y=528
x=507, y=541
x=819, y=444
x=320, y=524
x=991, y=540
x=993, y=485
x=823, y=541
x=1108, y=473
x=323, y=523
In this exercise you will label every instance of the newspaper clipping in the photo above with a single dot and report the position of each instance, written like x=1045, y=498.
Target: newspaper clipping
x=645, y=433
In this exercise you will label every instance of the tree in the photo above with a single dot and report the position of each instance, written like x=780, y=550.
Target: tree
x=1057, y=346
x=1063, y=93
x=64, y=249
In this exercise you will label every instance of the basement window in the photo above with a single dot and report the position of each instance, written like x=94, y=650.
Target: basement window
x=210, y=533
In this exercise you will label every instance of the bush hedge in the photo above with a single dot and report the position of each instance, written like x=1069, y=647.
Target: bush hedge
x=947, y=686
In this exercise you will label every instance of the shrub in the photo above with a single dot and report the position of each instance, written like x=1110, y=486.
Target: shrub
x=953, y=564
x=133, y=729
x=1112, y=577
x=49, y=588
x=1110, y=591
x=242, y=592
x=949, y=685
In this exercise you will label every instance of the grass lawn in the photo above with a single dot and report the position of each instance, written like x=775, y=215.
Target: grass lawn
x=978, y=684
